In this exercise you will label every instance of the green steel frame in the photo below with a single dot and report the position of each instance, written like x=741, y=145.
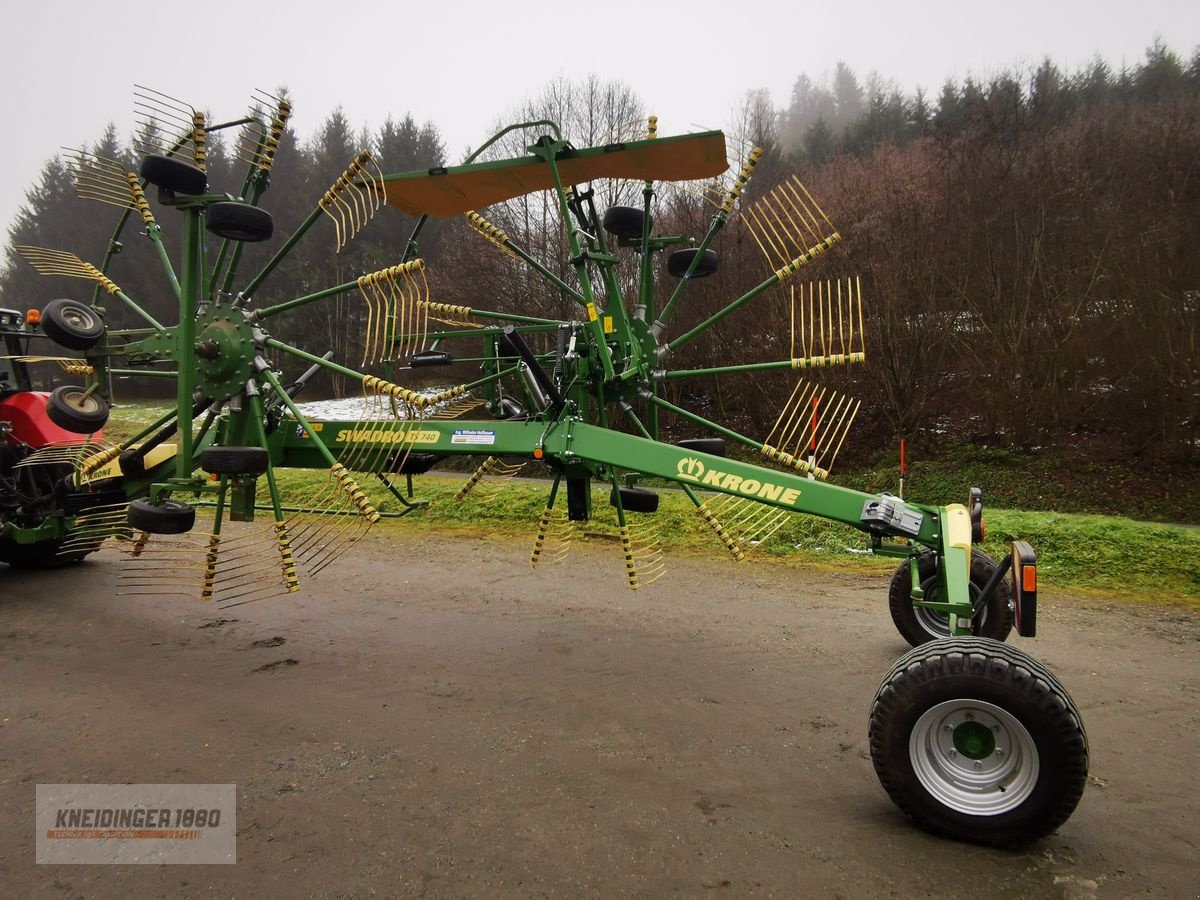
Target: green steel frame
x=618, y=357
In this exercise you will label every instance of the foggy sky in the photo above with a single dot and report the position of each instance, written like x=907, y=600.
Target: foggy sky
x=68, y=67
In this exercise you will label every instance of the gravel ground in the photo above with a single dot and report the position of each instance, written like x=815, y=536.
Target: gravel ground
x=431, y=718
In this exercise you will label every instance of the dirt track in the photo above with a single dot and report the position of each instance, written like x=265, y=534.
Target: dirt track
x=454, y=724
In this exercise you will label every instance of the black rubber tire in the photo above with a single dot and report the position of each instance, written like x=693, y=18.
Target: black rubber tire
x=239, y=222
x=67, y=409
x=635, y=499
x=416, y=463
x=235, y=460
x=918, y=625
x=172, y=517
x=132, y=463
x=960, y=672
x=678, y=262
x=72, y=324
x=712, y=446
x=624, y=221
x=42, y=555
x=174, y=174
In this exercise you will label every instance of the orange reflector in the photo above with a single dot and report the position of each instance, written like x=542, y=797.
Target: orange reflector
x=33, y=317
x=214, y=477
x=982, y=530
x=1029, y=579
x=537, y=453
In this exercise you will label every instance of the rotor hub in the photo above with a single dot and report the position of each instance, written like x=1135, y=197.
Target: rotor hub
x=225, y=350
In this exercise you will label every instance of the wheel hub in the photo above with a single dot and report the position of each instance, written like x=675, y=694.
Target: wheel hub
x=974, y=740
x=974, y=757
x=225, y=350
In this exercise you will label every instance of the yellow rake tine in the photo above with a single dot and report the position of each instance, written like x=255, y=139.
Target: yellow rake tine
x=788, y=194
x=761, y=224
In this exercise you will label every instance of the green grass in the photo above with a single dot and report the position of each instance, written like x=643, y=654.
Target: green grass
x=1077, y=551
x=128, y=419
x=1115, y=556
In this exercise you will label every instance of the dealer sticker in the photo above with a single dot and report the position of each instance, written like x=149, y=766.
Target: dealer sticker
x=475, y=436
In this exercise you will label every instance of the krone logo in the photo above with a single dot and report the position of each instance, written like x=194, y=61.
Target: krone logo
x=690, y=468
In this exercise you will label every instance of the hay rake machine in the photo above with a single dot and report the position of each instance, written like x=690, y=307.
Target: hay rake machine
x=972, y=738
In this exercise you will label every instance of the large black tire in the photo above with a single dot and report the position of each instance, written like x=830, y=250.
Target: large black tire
x=69, y=409
x=235, y=460
x=678, y=262
x=72, y=324
x=239, y=222
x=977, y=741
x=918, y=625
x=174, y=174
x=624, y=221
x=172, y=517
x=42, y=555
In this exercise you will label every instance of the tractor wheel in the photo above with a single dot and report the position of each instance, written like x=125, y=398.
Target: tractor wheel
x=72, y=324
x=235, y=460
x=918, y=625
x=73, y=409
x=42, y=555
x=678, y=262
x=172, y=517
x=239, y=222
x=977, y=741
x=174, y=174
x=624, y=221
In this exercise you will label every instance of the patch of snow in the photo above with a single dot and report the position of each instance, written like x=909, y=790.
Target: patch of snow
x=354, y=409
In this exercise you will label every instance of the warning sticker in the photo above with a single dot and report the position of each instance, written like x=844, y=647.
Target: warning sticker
x=476, y=436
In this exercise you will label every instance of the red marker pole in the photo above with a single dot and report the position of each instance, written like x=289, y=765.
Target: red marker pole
x=901, y=468
x=812, y=441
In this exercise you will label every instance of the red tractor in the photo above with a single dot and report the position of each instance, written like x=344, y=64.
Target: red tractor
x=37, y=496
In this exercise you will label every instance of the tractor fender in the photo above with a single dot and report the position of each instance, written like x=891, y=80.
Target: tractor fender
x=26, y=411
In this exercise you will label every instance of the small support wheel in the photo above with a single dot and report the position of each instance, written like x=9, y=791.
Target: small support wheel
x=235, y=460
x=414, y=463
x=624, y=221
x=172, y=517
x=977, y=741
x=72, y=324
x=239, y=222
x=635, y=499
x=679, y=261
x=74, y=409
x=918, y=625
x=174, y=174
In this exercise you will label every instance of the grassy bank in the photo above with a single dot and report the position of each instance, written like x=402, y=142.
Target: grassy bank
x=1121, y=557
x=1078, y=551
